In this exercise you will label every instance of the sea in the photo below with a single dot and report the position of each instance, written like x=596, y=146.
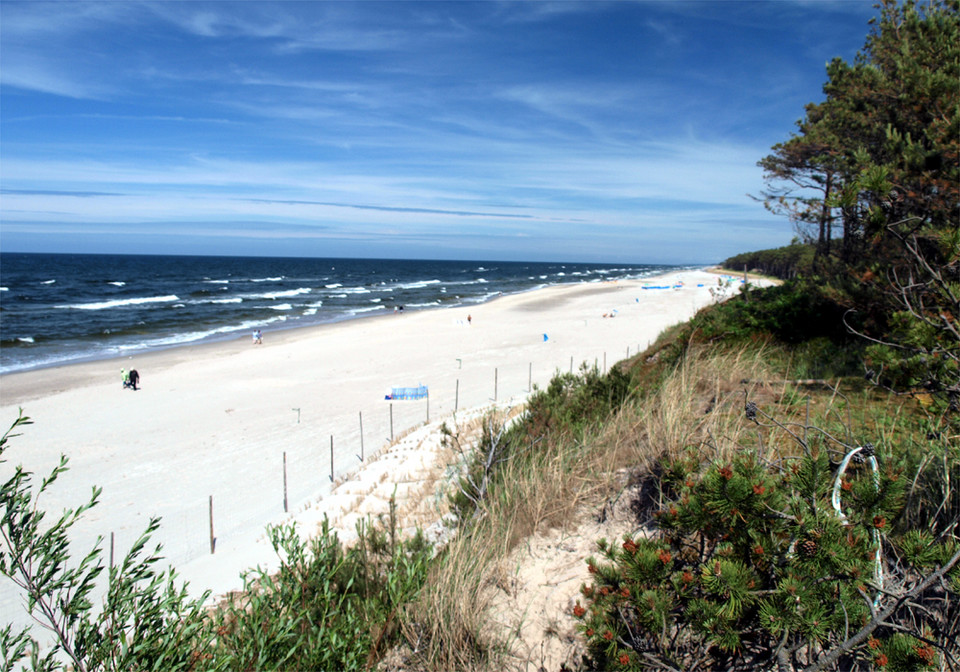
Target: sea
x=63, y=308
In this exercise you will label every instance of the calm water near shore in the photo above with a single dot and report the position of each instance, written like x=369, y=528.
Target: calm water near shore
x=59, y=308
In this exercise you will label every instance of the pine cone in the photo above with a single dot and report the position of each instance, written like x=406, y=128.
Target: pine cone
x=807, y=549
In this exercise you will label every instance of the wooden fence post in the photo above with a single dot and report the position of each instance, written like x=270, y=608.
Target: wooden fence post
x=213, y=539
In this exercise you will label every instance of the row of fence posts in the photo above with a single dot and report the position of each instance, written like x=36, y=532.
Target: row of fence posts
x=456, y=405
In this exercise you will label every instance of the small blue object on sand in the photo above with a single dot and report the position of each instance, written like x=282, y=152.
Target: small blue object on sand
x=408, y=393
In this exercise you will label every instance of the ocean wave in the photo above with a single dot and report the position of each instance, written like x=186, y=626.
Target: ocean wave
x=282, y=295
x=193, y=336
x=333, y=285
x=481, y=299
x=117, y=284
x=235, y=299
x=353, y=290
x=117, y=303
x=47, y=282
x=26, y=339
x=276, y=279
x=310, y=311
x=357, y=311
x=419, y=284
x=217, y=282
x=423, y=305
x=4, y=289
x=282, y=306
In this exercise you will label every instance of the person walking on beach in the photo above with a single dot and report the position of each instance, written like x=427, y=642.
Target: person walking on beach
x=134, y=379
x=469, y=319
x=123, y=377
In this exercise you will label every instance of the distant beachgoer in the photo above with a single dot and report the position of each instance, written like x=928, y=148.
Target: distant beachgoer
x=259, y=337
x=254, y=337
x=123, y=377
x=134, y=379
x=469, y=319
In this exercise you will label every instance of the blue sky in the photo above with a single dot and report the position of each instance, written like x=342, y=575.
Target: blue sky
x=572, y=131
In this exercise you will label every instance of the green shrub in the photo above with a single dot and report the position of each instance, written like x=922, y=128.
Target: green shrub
x=752, y=568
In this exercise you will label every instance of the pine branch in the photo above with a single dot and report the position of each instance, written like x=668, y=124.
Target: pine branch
x=878, y=620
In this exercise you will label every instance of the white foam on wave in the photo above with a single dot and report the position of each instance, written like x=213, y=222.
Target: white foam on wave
x=310, y=311
x=117, y=303
x=26, y=339
x=235, y=299
x=192, y=336
x=357, y=311
x=333, y=286
x=420, y=284
x=217, y=282
x=277, y=279
x=117, y=284
x=282, y=306
x=47, y=282
x=4, y=289
x=283, y=295
x=481, y=299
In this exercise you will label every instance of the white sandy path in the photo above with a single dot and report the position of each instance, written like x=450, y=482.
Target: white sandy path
x=215, y=420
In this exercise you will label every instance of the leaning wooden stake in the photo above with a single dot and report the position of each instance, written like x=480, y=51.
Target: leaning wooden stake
x=361, y=436
x=213, y=539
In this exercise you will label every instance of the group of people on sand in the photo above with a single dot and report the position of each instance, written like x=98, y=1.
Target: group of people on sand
x=131, y=379
x=258, y=337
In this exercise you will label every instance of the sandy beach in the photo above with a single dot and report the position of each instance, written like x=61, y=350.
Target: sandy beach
x=216, y=423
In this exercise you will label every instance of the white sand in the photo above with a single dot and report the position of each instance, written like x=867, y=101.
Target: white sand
x=215, y=420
